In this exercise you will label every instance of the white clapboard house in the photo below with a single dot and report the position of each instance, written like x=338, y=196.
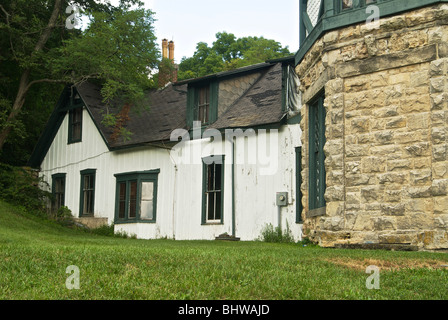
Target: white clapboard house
x=217, y=156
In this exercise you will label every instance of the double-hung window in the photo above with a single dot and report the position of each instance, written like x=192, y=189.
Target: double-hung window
x=75, y=125
x=87, y=201
x=58, y=190
x=317, y=173
x=202, y=103
x=136, y=197
x=213, y=190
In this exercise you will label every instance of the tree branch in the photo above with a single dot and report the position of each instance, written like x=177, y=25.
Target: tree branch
x=9, y=30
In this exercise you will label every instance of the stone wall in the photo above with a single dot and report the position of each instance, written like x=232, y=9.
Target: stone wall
x=386, y=96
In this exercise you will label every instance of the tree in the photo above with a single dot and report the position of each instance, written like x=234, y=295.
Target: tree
x=228, y=53
x=117, y=49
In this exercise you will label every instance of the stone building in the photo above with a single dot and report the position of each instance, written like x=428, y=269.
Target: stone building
x=374, y=85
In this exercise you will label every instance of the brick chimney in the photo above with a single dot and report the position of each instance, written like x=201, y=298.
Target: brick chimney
x=171, y=47
x=167, y=69
x=165, y=48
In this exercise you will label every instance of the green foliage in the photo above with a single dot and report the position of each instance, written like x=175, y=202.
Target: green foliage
x=117, y=49
x=21, y=187
x=276, y=235
x=109, y=231
x=228, y=53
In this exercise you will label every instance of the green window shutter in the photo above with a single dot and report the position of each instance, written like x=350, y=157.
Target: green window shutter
x=190, y=106
x=317, y=174
x=214, y=92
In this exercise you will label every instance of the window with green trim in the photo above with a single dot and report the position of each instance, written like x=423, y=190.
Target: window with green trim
x=136, y=197
x=87, y=197
x=213, y=190
x=202, y=104
x=75, y=125
x=58, y=190
x=317, y=175
x=299, y=196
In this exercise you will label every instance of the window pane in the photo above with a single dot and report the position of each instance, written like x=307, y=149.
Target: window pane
x=211, y=206
x=210, y=178
x=218, y=178
x=122, y=201
x=347, y=4
x=218, y=206
x=147, y=203
x=133, y=199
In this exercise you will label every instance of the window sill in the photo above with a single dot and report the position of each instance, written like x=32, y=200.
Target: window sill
x=317, y=212
x=134, y=222
x=213, y=223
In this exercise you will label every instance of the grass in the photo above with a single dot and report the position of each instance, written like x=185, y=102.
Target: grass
x=34, y=255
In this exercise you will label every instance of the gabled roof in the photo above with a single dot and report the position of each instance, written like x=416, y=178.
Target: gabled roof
x=260, y=105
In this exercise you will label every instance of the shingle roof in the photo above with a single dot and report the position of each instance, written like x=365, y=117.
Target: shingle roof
x=165, y=112
x=261, y=104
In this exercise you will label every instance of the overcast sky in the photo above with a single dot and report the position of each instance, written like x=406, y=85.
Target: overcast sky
x=188, y=22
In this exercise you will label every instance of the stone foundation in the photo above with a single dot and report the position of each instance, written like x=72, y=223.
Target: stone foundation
x=386, y=101
x=91, y=222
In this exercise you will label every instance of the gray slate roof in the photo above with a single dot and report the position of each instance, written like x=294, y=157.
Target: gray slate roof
x=259, y=105
x=166, y=111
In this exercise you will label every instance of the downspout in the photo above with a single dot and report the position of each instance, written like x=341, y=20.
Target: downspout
x=233, y=188
x=231, y=138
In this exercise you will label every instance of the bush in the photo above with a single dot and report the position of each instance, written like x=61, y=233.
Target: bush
x=276, y=235
x=108, y=231
x=20, y=186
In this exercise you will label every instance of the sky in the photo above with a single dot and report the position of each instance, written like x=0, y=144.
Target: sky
x=187, y=22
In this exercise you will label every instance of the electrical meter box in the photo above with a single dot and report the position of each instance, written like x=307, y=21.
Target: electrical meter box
x=282, y=199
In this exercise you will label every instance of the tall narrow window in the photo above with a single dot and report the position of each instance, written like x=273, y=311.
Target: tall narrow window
x=87, y=201
x=203, y=104
x=58, y=190
x=122, y=200
x=212, y=206
x=317, y=157
x=132, y=199
x=147, y=202
x=75, y=125
x=136, y=197
x=299, y=206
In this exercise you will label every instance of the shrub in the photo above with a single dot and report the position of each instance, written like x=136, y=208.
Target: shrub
x=20, y=186
x=277, y=235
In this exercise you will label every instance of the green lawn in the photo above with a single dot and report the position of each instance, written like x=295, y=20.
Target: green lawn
x=34, y=255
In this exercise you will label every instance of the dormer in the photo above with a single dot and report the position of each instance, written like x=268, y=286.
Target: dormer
x=247, y=96
x=202, y=102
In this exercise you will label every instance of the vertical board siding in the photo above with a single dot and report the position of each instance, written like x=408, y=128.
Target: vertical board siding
x=179, y=199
